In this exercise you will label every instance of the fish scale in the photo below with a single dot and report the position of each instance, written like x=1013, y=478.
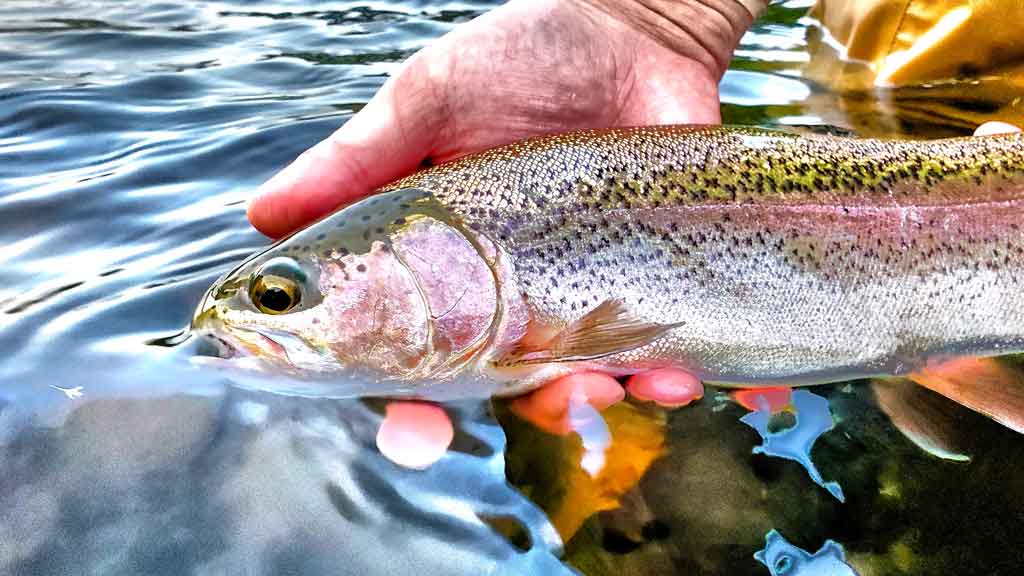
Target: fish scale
x=780, y=258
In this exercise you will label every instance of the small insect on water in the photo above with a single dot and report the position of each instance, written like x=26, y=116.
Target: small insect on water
x=72, y=393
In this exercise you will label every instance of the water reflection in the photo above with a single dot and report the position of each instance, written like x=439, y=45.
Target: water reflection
x=784, y=559
x=795, y=442
x=131, y=135
x=256, y=484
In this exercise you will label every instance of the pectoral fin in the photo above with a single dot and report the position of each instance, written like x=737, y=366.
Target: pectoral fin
x=927, y=419
x=605, y=330
x=986, y=385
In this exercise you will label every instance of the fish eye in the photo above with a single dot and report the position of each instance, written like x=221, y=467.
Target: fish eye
x=275, y=287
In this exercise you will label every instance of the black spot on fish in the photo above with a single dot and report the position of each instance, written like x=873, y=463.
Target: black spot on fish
x=399, y=221
x=365, y=218
x=361, y=268
x=378, y=230
x=321, y=236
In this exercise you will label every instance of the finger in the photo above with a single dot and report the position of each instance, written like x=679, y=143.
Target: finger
x=993, y=128
x=384, y=141
x=414, y=434
x=548, y=407
x=773, y=398
x=667, y=387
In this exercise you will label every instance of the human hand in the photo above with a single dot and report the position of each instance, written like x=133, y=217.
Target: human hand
x=416, y=434
x=993, y=128
x=527, y=68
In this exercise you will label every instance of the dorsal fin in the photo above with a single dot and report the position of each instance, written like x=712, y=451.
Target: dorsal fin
x=987, y=385
x=607, y=329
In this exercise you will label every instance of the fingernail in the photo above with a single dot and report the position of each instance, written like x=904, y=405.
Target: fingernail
x=414, y=434
x=667, y=387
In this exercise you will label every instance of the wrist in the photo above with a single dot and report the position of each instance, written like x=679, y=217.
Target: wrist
x=706, y=31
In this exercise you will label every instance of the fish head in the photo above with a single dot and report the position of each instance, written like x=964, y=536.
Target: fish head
x=394, y=285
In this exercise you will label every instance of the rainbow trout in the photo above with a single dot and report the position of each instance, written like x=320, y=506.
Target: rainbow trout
x=740, y=255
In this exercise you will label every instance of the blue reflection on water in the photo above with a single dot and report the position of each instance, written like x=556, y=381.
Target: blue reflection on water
x=795, y=443
x=785, y=559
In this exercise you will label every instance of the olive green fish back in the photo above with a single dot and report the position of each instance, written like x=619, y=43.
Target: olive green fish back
x=678, y=166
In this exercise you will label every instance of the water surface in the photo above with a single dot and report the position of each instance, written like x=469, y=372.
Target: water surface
x=131, y=134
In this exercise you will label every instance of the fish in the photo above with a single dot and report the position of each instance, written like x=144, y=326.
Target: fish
x=743, y=256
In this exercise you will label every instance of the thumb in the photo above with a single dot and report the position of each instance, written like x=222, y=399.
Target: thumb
x=994, y=128
x=374, y=147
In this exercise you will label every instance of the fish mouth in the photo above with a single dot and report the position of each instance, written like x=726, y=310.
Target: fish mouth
x=256, y=360
x=205, y=324
x=214, y=347
x=262, y=349
x=258, y=344
x=242, y=352
x=223, y=341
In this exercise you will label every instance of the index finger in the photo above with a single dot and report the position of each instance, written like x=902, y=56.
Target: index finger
x=993, y=128
x=376, y=146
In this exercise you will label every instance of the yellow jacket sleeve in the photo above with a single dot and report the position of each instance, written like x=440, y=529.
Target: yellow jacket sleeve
x=936, y=67
x=914, y=41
